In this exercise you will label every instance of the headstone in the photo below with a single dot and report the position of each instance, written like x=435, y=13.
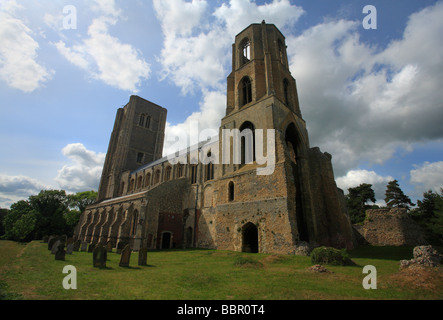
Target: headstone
x=77, y=245
x=69, y=248
x=99, y=257
x=120, y=246
x=55, y=246
x=143, y=257
x=125, y=256
x=109, y=246
x=91, y=247
x=51, y=241
x=84, y=247
x=60, y=253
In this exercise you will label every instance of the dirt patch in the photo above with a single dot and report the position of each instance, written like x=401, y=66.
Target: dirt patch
x=418, y=277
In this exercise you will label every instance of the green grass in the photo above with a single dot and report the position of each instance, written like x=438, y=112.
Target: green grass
x=31, y=272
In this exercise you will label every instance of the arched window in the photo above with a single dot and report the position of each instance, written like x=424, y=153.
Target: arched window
x=148, y=122
x=131, y=185
x=286, y=90
x=141, y=122
x=157, y=177
x=148, y=180
x=247, y=136
x=134, y=223
x=168, y=173
x=139, y=182
x=281, y=51
x=179, y=170
x=209, y=168
x=193, y=174
x=245, y=91
x=231, y=191
x=245, y=48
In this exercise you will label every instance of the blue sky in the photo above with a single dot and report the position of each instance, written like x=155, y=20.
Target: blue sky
x=371, y=98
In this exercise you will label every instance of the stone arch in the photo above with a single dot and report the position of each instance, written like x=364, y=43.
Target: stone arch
x=247, y=141
x=245, y=91
x=250, y=241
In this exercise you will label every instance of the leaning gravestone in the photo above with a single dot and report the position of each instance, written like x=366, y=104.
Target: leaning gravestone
x=120, y=247
x=55, y=246
x=84, y=246
x=51, y=241
x=77, y=245
x=143, y=256
x=125, y=256
x=99, y=257
x=60, y=253
x=69, y=248
x=109, y=246
x=91, y=247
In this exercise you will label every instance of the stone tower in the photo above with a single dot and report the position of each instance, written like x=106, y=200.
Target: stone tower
x=299, y=201
x=137, y=139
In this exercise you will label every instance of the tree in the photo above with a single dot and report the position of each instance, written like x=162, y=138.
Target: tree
x=395, y=198
x=81, y=200
x=19, y=222
x=429, y=215
x=51, y=207
x=357, y=201
x=3, y=213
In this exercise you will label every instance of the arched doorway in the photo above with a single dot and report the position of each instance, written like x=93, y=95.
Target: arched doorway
x=250, y=238
x=166, y=240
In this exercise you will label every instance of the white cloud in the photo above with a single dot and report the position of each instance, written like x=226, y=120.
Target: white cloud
x=105, y=57
x=18, y=52
x=362, y=103
x=428, y=176
x=354, y=178
x=196, y=53
x=85, y=171
x=16, y=188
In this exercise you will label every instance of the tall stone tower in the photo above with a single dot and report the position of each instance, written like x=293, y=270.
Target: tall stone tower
x=299, y=201
x=137, y=139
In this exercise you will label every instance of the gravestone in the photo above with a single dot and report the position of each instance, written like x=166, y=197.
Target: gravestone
x=91, y=247
x=143, y=256
x=109, y=246
x=51, y=241
x=125, y=256
x=77, y=245
x=60, y=253
x=99, y=257
x=120, y=247
x=84, y=246
x=69, y=248
x=55, y=246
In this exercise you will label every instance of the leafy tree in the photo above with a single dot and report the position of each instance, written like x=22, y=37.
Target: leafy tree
x=19, y=222
x=81, y=200
x=3, y=213
x=395, y=198
x=357, y=201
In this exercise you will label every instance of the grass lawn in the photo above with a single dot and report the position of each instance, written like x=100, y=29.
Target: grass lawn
x=29, y=271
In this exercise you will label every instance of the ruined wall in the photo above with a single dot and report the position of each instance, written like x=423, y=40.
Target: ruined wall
x=390, y=227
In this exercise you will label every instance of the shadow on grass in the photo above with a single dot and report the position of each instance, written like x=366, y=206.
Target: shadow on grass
x=385, y=253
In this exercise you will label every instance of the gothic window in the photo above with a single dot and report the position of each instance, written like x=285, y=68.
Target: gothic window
x=139, y=182
x=245, y=51
x=157, y=177
x=286, y=90
x=140, y=157
x=247, y=135
x=281, y=52
x=179, y=170
x=148, y=179
x=246, y=91
x=134, y=223
x=131, y=185
x=210, y=171
x=141, y=122
x=231, y=191
x=168, y=173
x=148, y=122
x=193, y=174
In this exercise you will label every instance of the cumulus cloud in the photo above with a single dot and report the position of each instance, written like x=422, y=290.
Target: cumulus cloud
x=15, y=188
x=363, y=103
x=105, y=57
x=428, y=176
x=19, y=67
x=85, y=170
x=196, y=54
x=354, y=178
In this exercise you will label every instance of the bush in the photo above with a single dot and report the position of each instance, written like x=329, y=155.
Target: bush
x=332, y=256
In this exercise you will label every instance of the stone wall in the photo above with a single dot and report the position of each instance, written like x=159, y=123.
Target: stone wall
x=389, y=227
